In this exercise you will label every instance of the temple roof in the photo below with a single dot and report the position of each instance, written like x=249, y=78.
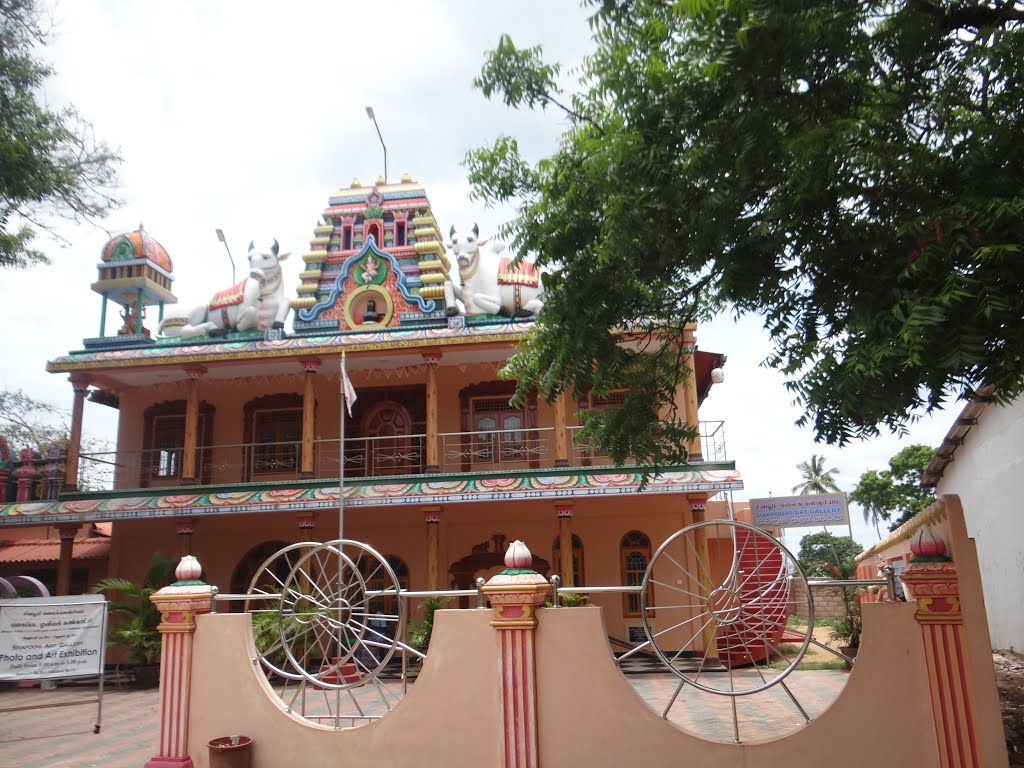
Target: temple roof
x=137, y=245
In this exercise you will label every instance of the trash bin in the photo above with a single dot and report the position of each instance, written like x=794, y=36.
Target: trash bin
x=231, y=752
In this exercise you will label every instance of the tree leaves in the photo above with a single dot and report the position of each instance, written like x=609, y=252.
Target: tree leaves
x=50, y=162
x=848, y=170
x=896, y=490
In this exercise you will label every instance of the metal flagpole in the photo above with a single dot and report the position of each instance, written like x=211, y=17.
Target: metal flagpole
x=341, y=449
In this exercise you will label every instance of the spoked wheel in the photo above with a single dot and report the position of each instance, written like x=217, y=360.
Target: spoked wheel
x=269, y=631
x=340, y=614
x=726, y=593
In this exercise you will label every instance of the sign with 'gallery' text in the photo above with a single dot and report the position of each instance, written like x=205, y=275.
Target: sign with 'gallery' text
x=48, y=637
x=798, y=511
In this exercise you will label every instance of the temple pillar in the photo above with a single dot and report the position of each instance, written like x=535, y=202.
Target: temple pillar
x=186, y=527
x=432, y=517
x=564, y=514
x=81, y=388
x=561, y=446
x=698, y=505
x=693, y=447
x=178, y=604
x=308, y=414
x=306, y=522
x=433, y=464
x=933, y=581
x=188, y=460
x=67, y=535
x=515, y=594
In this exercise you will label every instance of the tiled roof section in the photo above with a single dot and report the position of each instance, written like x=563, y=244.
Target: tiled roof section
x=48, y=550
x=137, y=245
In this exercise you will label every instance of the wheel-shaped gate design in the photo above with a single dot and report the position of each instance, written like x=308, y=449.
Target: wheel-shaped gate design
x=328, y=617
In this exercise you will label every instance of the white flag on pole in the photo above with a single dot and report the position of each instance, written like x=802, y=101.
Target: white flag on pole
x=348, y=392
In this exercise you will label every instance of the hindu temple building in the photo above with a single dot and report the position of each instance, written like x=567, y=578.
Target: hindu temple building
x=234, y=435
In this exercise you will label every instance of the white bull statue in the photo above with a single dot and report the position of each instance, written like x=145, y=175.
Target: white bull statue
x=490, y=284
x=258, y=301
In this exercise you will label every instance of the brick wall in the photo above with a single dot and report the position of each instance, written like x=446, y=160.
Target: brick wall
x=828, y=602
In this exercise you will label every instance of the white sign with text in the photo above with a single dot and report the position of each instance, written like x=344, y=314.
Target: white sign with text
x=48, y=637
x=798, y=511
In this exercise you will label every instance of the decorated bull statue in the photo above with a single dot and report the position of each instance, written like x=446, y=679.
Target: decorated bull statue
x=258, y=301
x=490, y=284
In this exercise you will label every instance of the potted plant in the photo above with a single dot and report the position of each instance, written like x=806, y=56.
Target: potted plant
x=137, y=632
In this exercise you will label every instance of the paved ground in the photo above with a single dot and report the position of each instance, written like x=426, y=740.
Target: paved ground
x=62, y=737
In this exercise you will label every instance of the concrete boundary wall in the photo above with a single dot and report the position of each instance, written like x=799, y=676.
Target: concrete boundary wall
x=524, y=687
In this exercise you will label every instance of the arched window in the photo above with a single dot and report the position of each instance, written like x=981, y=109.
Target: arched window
x=635, y=554
x=391, y=448
x=273, y=580
x=273, y=430
x=164, y=443
x=577, y=558
x=495, y=433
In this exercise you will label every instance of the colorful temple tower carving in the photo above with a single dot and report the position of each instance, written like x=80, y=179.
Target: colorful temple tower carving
x=377, y=261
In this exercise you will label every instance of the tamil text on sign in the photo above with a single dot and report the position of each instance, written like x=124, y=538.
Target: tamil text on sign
x=797, y=511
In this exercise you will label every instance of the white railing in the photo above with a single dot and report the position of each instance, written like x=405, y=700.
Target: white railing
x=500, y=449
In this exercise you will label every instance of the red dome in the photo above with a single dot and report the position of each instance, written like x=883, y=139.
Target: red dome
x=137, y=245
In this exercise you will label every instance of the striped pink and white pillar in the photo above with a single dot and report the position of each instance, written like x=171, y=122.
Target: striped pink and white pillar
x=515, y=594
x=934, y=582
x=179, y=604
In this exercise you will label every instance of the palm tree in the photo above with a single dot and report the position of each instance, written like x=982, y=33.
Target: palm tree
x=816, y=479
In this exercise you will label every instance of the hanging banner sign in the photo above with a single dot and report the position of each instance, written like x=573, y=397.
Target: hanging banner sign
x=48, y=637
x=799, y=511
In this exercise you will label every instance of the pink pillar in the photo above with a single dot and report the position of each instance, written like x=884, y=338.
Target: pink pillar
x=934, y=582
x=515, y=594
x=179, y=604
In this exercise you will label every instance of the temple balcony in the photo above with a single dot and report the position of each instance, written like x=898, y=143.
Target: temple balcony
x=365, y=457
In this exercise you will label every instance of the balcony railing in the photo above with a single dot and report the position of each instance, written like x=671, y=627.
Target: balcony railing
x=712, y=442
x=500, y=450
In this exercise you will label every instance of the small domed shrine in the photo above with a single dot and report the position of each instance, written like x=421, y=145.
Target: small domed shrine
x=135, y=272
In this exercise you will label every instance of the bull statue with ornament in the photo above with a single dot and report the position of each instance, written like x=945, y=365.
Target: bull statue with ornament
x=257, y=302
x=491, y=280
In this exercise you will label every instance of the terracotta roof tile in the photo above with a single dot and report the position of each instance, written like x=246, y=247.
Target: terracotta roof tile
x=48, y=550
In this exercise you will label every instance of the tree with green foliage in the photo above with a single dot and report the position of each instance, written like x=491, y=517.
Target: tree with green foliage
x=50, y=162
x=816, y=479
x=896, y=490
x=847, y=169
x=820, y=553
x=823, y=555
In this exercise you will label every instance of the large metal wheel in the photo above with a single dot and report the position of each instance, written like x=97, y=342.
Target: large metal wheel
x=265, y=591
x=340, y=614
x=725, y=592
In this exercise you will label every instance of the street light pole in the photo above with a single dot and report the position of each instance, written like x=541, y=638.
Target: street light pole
x=220, y=236
x=369, y=114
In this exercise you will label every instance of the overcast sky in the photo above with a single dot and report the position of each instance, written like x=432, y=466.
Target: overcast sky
x=247, y=116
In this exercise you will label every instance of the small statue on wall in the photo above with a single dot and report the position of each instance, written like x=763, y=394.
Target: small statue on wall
x=258, y=301
x=490, y=283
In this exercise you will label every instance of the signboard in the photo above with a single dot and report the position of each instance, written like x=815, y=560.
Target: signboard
x=47, y=637
x=798, y=511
